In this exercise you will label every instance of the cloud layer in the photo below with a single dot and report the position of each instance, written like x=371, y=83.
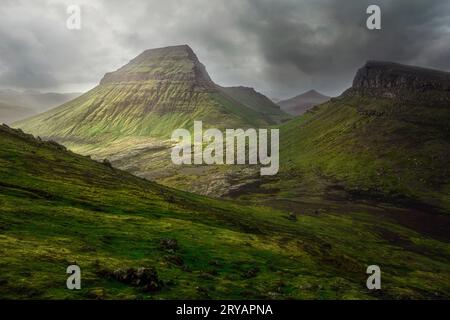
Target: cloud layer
x=279, y=47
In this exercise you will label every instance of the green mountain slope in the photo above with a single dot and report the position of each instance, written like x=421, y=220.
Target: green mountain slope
x=257, y=102
x=157, y=92
x=129, y=117
x=58, y=208
x=387, y=139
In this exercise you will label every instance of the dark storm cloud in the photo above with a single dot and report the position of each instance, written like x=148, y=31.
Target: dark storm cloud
x=326, y=41
x=280, y=47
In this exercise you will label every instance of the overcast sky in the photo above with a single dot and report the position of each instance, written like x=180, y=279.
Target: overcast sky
x=281, y=47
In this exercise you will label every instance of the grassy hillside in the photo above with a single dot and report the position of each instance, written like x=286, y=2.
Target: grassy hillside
x=384, y=140
x=257, y=102
x=375, y=147
x=59, y=208
x=367, y=147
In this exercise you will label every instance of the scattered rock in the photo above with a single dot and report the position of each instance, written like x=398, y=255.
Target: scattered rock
x=206, y=276
x=213, y=272
x=251, y=273
x=214, y=263
x=169, y=244
x=146, y=278
x=186, y=268
x=175, y=259
x=88, y=248
x=202, y=291
x=107, y=163
x=292, y=216
x=96, y=293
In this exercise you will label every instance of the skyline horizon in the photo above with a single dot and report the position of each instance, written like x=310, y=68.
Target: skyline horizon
x=280, y=49
x=83, y=88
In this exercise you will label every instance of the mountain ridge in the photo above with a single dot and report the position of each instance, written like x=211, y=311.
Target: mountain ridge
x=391, y=144
x=18, y=105
x=402, y=82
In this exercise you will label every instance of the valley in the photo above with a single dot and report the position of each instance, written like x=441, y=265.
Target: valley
x=363, y=179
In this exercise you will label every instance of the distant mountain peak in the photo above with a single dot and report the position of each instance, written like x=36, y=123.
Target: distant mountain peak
x=312, y=94
x=303, y=102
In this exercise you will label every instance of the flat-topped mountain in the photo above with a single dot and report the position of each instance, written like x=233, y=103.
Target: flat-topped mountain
x=177, y=63
x=130, y=116
x=156, y=92
x=303, y=102
x=394, y=80
x=387, y=137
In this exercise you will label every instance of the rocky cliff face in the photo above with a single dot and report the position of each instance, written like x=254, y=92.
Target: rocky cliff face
x=393, y=80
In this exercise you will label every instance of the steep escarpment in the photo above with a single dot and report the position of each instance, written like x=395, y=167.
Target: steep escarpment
x=403, y=83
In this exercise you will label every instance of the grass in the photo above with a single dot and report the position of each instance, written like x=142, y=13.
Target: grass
x=59, y=208
x=373, y=147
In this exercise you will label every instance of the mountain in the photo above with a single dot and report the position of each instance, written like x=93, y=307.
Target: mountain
x=408, y=84
x=255, y=101
x=11, y=113
x=386, y=139
x=129, y=117
x=157, y=92
x=134, y=239
x=300, y=104
x=23, y=104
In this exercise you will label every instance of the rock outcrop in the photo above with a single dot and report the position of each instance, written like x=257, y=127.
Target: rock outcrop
x=406, y=83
